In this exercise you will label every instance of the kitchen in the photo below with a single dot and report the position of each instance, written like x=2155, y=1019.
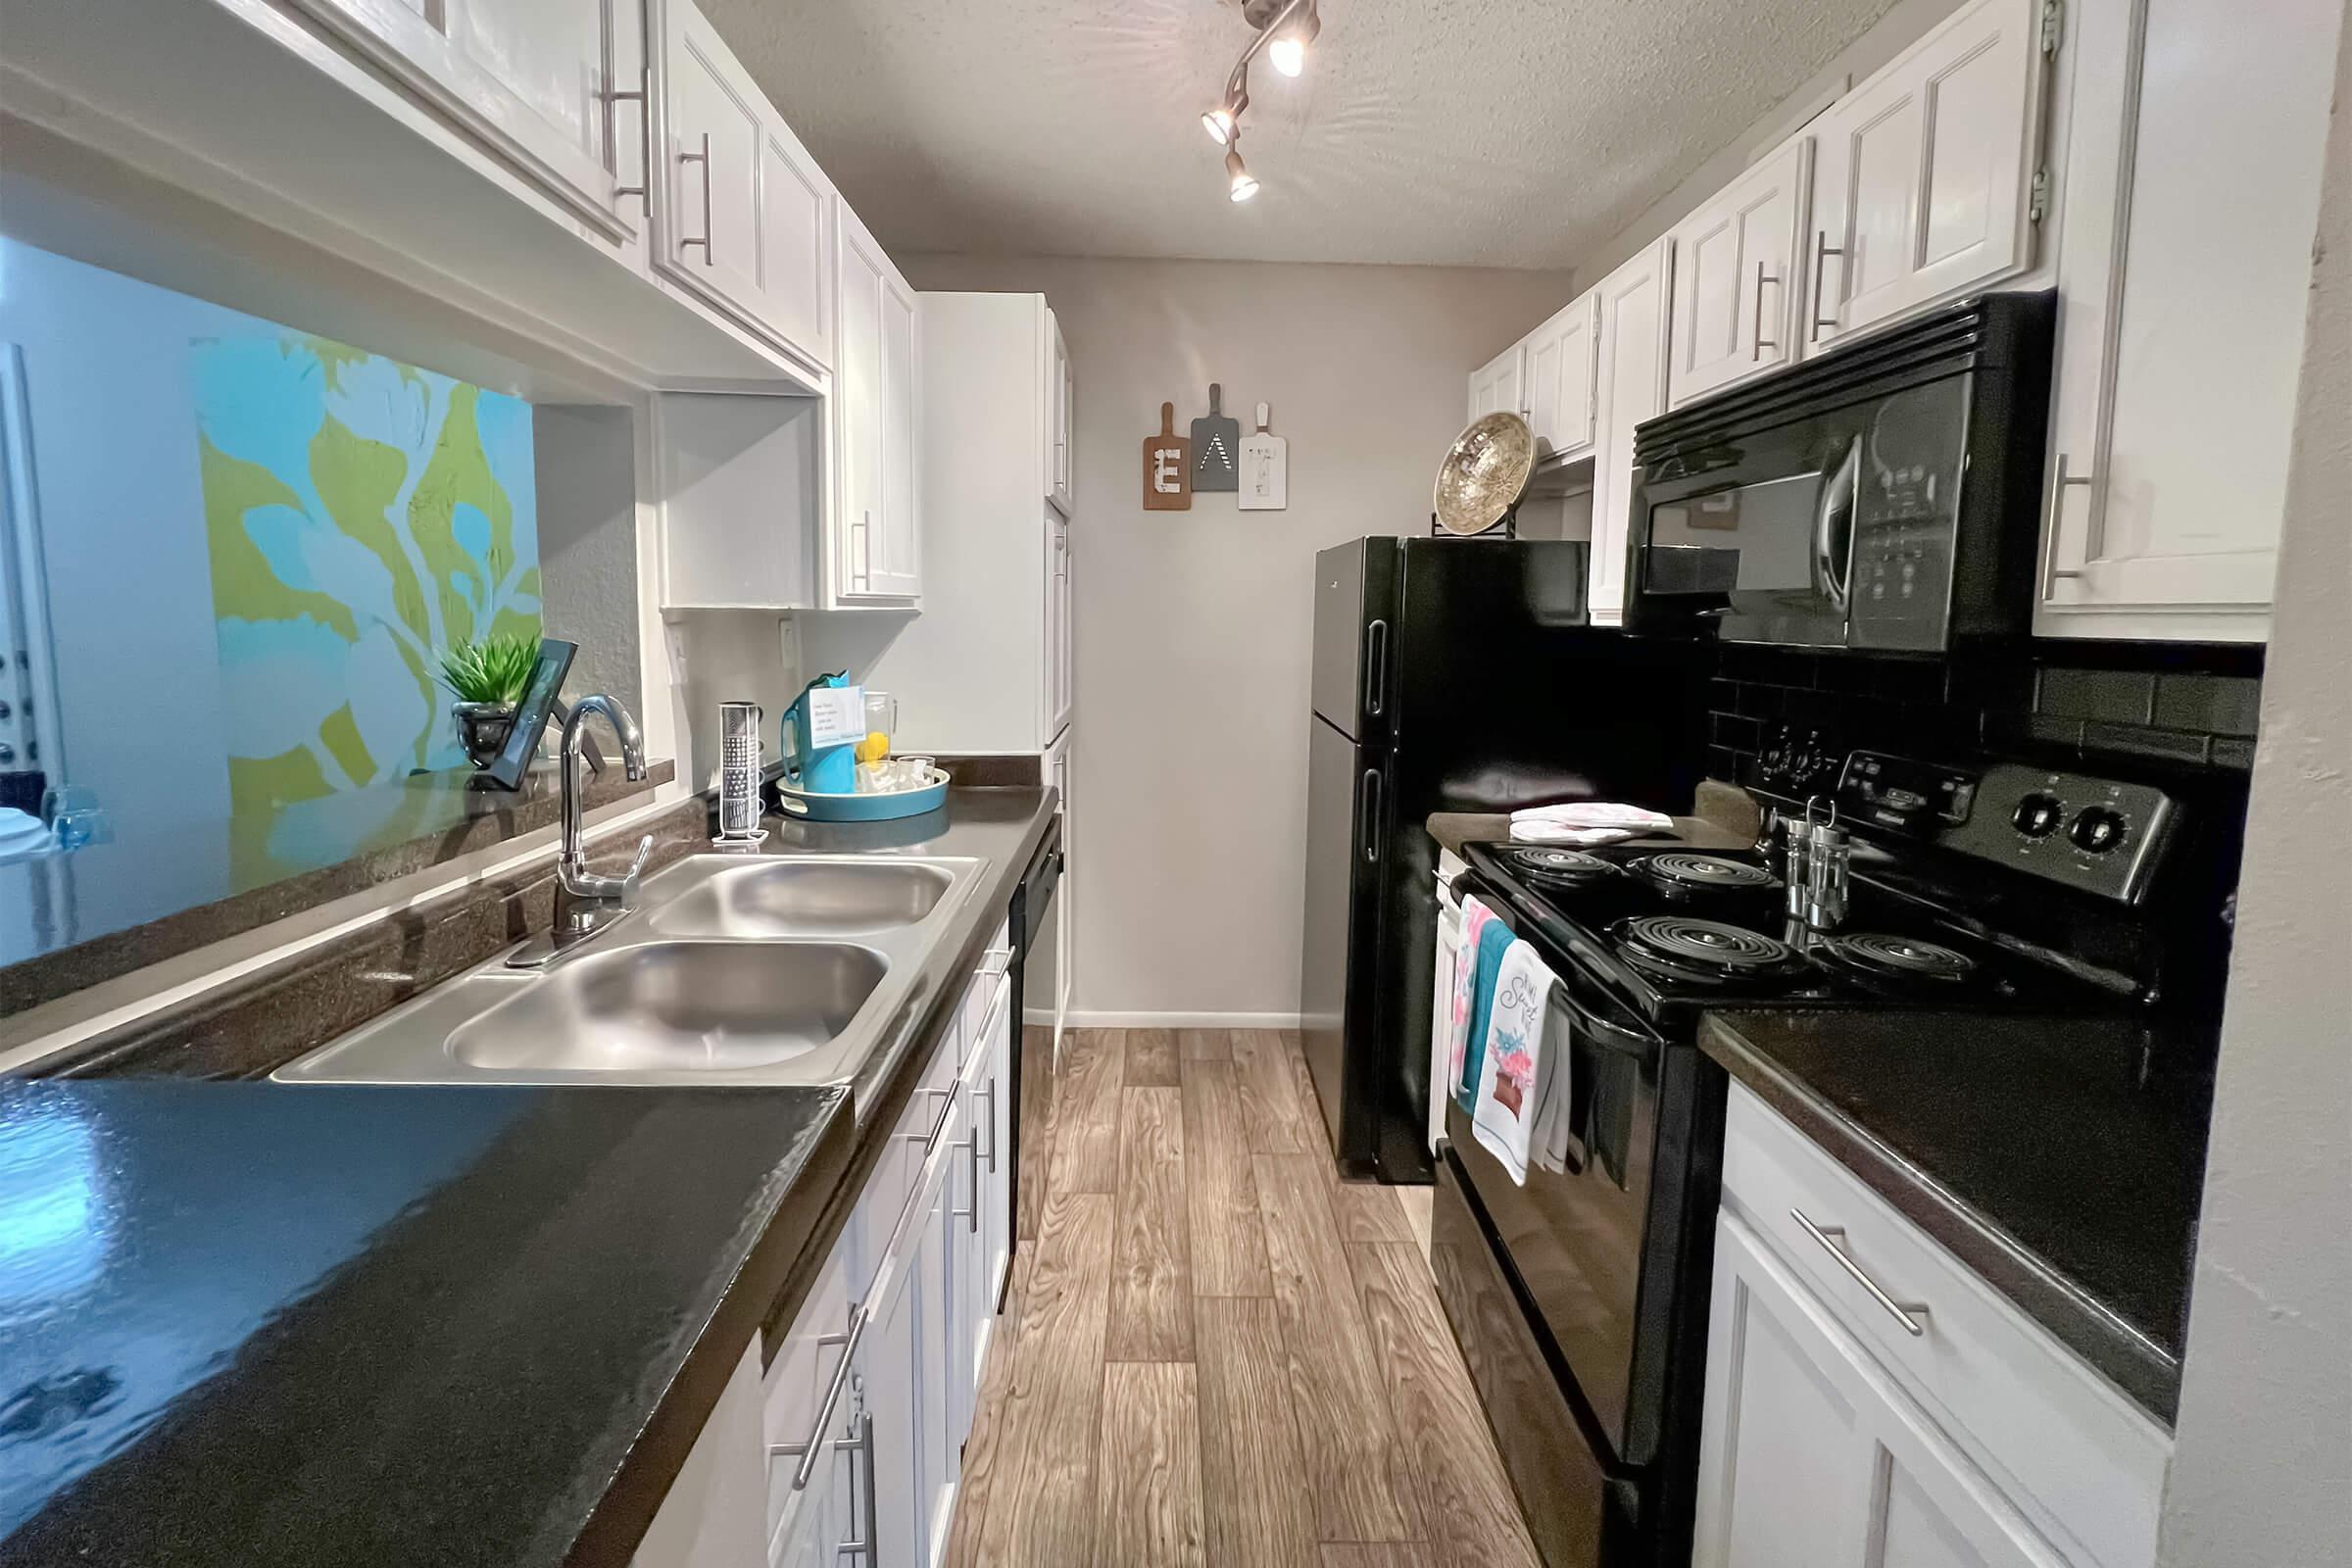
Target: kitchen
x=1047, y=1175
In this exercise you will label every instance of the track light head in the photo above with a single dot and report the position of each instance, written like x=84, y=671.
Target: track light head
x=1287, y=51
x=1240, y=184
x=1224, y=123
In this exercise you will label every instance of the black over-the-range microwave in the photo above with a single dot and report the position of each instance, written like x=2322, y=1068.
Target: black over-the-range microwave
x=1884, y=496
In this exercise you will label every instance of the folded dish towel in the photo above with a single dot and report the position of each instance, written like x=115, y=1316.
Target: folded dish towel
x=1445, y=1046
x=1495, y=939
x=1583, y=823
x=1519, y=1079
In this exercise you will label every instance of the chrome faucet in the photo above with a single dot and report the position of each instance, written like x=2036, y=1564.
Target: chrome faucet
x=586, y=901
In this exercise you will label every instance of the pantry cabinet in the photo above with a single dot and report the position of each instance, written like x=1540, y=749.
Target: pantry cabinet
x=1737, y=263
x=1060, y=677
x=2194, y=158
x=1061, y=414
x=1812, y=1455
x=556, y=87
x=1563, y=362
x=744, y=215
x=1924, y=176
x=1633, y=305
x=1499, y=385
x=875, y=538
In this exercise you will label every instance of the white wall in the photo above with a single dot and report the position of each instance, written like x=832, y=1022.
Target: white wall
x=2263, y=1475
x=1192, y=629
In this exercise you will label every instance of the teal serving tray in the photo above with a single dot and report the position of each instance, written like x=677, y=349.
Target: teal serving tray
x=863, y=807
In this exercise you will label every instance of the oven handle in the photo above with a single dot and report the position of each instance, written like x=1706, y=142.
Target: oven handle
x=1841, y=496
x=1624, y=1040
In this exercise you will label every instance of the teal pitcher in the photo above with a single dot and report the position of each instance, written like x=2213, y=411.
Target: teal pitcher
x=808, y=766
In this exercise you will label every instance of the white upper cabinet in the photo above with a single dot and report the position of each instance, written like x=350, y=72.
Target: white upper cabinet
x=1632, y=303
x=1499, y=386
x=746, y=215
x=1061, y=414
x=557, y=86
x=1563, y=360
x=2196, y=143
x=1735, y=277
x=875, y=543
x=1923, y=183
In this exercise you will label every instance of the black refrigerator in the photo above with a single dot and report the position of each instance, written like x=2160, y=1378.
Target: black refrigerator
x=1449, y=675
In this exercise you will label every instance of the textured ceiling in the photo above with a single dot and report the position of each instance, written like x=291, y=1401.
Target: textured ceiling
x=1491, y=133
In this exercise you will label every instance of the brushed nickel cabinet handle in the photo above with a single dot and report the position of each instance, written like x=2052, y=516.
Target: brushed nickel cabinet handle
x=990, y=1122
x=703, y=158
x=1822, y=250
x=2059, y=480
x=645, y=122
x=807, y=1451
x=1907, y=1313
x=1758, y=342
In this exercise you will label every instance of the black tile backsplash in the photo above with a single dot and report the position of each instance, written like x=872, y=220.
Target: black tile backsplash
x=2178, y=705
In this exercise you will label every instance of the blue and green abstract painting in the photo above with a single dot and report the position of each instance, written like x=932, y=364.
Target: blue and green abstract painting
x=361, y=515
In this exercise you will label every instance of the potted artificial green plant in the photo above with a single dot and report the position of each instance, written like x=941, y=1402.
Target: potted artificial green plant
x=487, y=678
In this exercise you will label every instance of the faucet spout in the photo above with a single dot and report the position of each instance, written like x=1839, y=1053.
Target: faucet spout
x=571, y=866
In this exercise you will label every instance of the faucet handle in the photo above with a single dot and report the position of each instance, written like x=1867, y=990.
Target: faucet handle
x=644, y=847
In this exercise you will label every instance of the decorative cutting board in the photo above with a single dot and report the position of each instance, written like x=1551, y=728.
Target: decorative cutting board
x=1216, y=447
x=1265, y=468
x=1167, y=466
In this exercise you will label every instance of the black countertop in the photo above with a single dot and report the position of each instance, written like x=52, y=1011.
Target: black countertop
x=260, y=1324
x=354, y=1324
x=2036, y=1149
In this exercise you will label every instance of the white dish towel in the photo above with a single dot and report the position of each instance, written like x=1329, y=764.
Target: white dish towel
x=1583, y=823
x=1521, y=1085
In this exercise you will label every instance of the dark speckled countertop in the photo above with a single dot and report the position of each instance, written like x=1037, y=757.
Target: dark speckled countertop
x=2036, y=1149
x=260, y=1324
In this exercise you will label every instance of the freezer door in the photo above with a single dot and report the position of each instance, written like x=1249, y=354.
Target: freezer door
x=1355, y=635
x=1346, y=833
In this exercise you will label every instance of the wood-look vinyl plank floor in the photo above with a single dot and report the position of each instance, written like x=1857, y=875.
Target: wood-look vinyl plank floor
x=1152, y=1056
x=1151, y=1277
x=1468, y=1510
x=1037, y=1126
x=1228, y=1233
x=1147, y=1479
x=1314, y=1351
x=1086, y=1112
x=1353, y=1456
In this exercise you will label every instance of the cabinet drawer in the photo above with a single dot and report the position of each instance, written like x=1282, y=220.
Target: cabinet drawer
x=899, y=1165
x=2075, y=1453
x=804, y=1368
x=988, y=981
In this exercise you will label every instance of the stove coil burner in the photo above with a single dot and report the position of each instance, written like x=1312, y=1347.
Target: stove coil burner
x=1560, y=865
x=1711, y=871
x=1901, y=957
x=1704, y=947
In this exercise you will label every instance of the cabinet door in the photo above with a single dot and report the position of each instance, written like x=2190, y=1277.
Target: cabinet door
x=1632, y=303
x=876, y=544
x=1499, y=385
x=1061, y=415
x=1736, y=264
x=1924, y=177
x=1810, y=1454
x=1562, y=362
x=555, y=85
x=996, y=1110
x=907, y=1384
x=748, y=214
x=2195, y=150
x=1057, y=672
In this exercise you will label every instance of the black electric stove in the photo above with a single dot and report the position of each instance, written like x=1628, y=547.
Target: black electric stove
x=2001, y=888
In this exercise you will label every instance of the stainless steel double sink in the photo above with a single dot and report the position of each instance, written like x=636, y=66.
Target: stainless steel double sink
x=736, y=967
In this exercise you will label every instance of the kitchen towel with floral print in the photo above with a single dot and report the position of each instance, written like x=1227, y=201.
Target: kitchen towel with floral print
x=1518, y=1078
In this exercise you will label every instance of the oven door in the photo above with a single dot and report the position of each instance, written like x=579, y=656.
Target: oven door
x=1575, y=1242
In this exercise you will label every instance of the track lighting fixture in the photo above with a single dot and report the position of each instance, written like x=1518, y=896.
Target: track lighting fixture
x=1240, y=184
x=1285, y=27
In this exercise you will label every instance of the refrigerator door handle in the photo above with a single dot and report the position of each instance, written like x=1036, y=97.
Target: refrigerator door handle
x=1376, y=669
x=1367, y=812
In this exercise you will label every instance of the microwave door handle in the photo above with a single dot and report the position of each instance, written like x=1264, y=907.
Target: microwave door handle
x=1833, y=559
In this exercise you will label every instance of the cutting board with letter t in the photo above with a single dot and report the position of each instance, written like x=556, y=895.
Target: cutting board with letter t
x=1216, y=439
x=1265, y=468
x=1167, y=466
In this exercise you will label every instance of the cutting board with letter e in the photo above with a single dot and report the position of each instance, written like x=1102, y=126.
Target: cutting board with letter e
x=1265, y=468
x=1167, y=466
x=1216, y=464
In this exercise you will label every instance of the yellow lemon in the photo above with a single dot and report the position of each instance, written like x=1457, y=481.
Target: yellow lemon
x=874, y=748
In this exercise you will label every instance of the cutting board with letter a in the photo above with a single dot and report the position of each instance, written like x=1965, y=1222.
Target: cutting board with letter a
x=1265, y=468
x=1217, y=460
x=1167, y=466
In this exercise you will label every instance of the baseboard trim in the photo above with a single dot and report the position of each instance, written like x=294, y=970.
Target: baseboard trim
x=1077, y=1019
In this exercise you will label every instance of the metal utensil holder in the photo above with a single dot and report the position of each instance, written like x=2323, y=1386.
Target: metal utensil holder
x=1829, y=870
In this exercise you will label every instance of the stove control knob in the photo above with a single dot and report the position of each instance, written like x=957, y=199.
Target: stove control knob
x=2037, y=815
x=2097, y=829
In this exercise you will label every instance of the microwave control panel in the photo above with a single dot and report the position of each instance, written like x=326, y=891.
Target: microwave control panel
x=2102, y=836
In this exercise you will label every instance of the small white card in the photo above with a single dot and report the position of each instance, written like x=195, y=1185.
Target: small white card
x=836, y=715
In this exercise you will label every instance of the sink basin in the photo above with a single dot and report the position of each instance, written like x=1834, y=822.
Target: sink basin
x=785, y=898
x=676, y=1007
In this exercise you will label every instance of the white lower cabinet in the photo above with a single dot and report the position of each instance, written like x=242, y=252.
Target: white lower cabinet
x=1919, y=1420
x=1813, y=1458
